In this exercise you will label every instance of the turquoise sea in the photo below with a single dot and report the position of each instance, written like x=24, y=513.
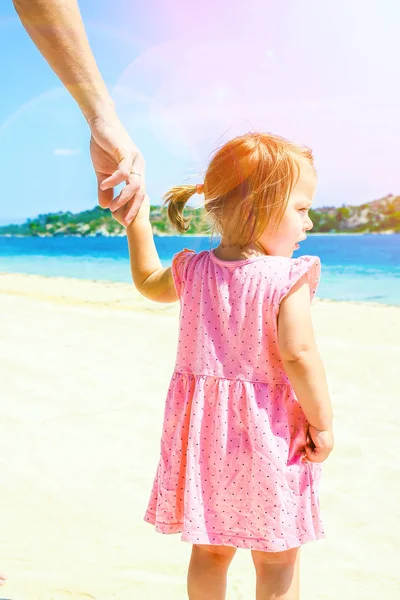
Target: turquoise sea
x=354, y=267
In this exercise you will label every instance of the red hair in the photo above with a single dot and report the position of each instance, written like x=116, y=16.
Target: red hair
x=246, y=186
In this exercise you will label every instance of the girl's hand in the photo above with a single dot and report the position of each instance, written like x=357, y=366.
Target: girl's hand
x=120, y=215
x=319, y=444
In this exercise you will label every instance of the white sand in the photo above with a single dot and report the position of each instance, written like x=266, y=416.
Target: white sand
x=84, y=372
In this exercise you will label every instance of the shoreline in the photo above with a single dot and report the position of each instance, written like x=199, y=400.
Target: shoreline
x=121, y=295
x=190, y=235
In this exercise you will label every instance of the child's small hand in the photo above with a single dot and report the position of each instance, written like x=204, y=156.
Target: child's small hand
x=319, y=444
x=120, y=215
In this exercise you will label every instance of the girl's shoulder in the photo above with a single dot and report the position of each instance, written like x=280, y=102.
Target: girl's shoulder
x=284, y=272
x=179, y=266
x=292, y=269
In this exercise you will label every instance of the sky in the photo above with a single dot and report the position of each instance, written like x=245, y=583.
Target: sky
x=186, y=76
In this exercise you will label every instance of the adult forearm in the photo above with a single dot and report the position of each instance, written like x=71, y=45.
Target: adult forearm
x=56, y=28
x=308, y=379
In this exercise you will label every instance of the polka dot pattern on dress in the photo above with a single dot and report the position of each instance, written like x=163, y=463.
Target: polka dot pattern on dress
x=230, y=469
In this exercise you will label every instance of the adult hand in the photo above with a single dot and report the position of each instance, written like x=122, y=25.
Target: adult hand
x=143, y=214
x=116, y=159
x=57, y=30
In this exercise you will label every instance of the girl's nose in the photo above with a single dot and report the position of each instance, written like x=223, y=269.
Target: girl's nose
x=309, y=225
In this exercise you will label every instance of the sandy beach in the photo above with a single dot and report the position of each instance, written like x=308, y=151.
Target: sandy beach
x=84, y=372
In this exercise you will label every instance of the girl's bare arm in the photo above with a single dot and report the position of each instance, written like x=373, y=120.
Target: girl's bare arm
x=148, y=274
x=300, y=356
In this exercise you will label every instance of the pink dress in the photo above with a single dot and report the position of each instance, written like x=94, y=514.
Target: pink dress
x=230, y=470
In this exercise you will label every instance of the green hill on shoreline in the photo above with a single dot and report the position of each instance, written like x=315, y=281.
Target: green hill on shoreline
x=379, y=216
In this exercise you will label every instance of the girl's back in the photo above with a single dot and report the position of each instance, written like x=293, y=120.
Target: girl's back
x=228, y=321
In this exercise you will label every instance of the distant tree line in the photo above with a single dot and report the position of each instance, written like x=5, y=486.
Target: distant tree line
x=378, y=216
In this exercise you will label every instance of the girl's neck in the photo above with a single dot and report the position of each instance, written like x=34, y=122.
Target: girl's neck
x=234, y=252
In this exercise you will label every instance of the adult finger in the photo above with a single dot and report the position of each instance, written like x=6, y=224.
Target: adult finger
x=121, y=215
x=134, y=208
x=127, y=213
x=105, y=197
x=126, y=194
x=121, y=174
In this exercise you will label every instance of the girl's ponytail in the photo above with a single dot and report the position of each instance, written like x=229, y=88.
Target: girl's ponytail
x=176, y=199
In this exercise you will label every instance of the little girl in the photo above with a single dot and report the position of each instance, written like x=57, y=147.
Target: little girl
x=248, y=418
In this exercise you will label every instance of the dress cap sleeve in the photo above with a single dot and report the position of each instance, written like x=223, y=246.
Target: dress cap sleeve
x=179, y=266
x=310, y=265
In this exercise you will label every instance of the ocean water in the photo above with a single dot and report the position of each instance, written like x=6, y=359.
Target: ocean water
x=363, y=268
